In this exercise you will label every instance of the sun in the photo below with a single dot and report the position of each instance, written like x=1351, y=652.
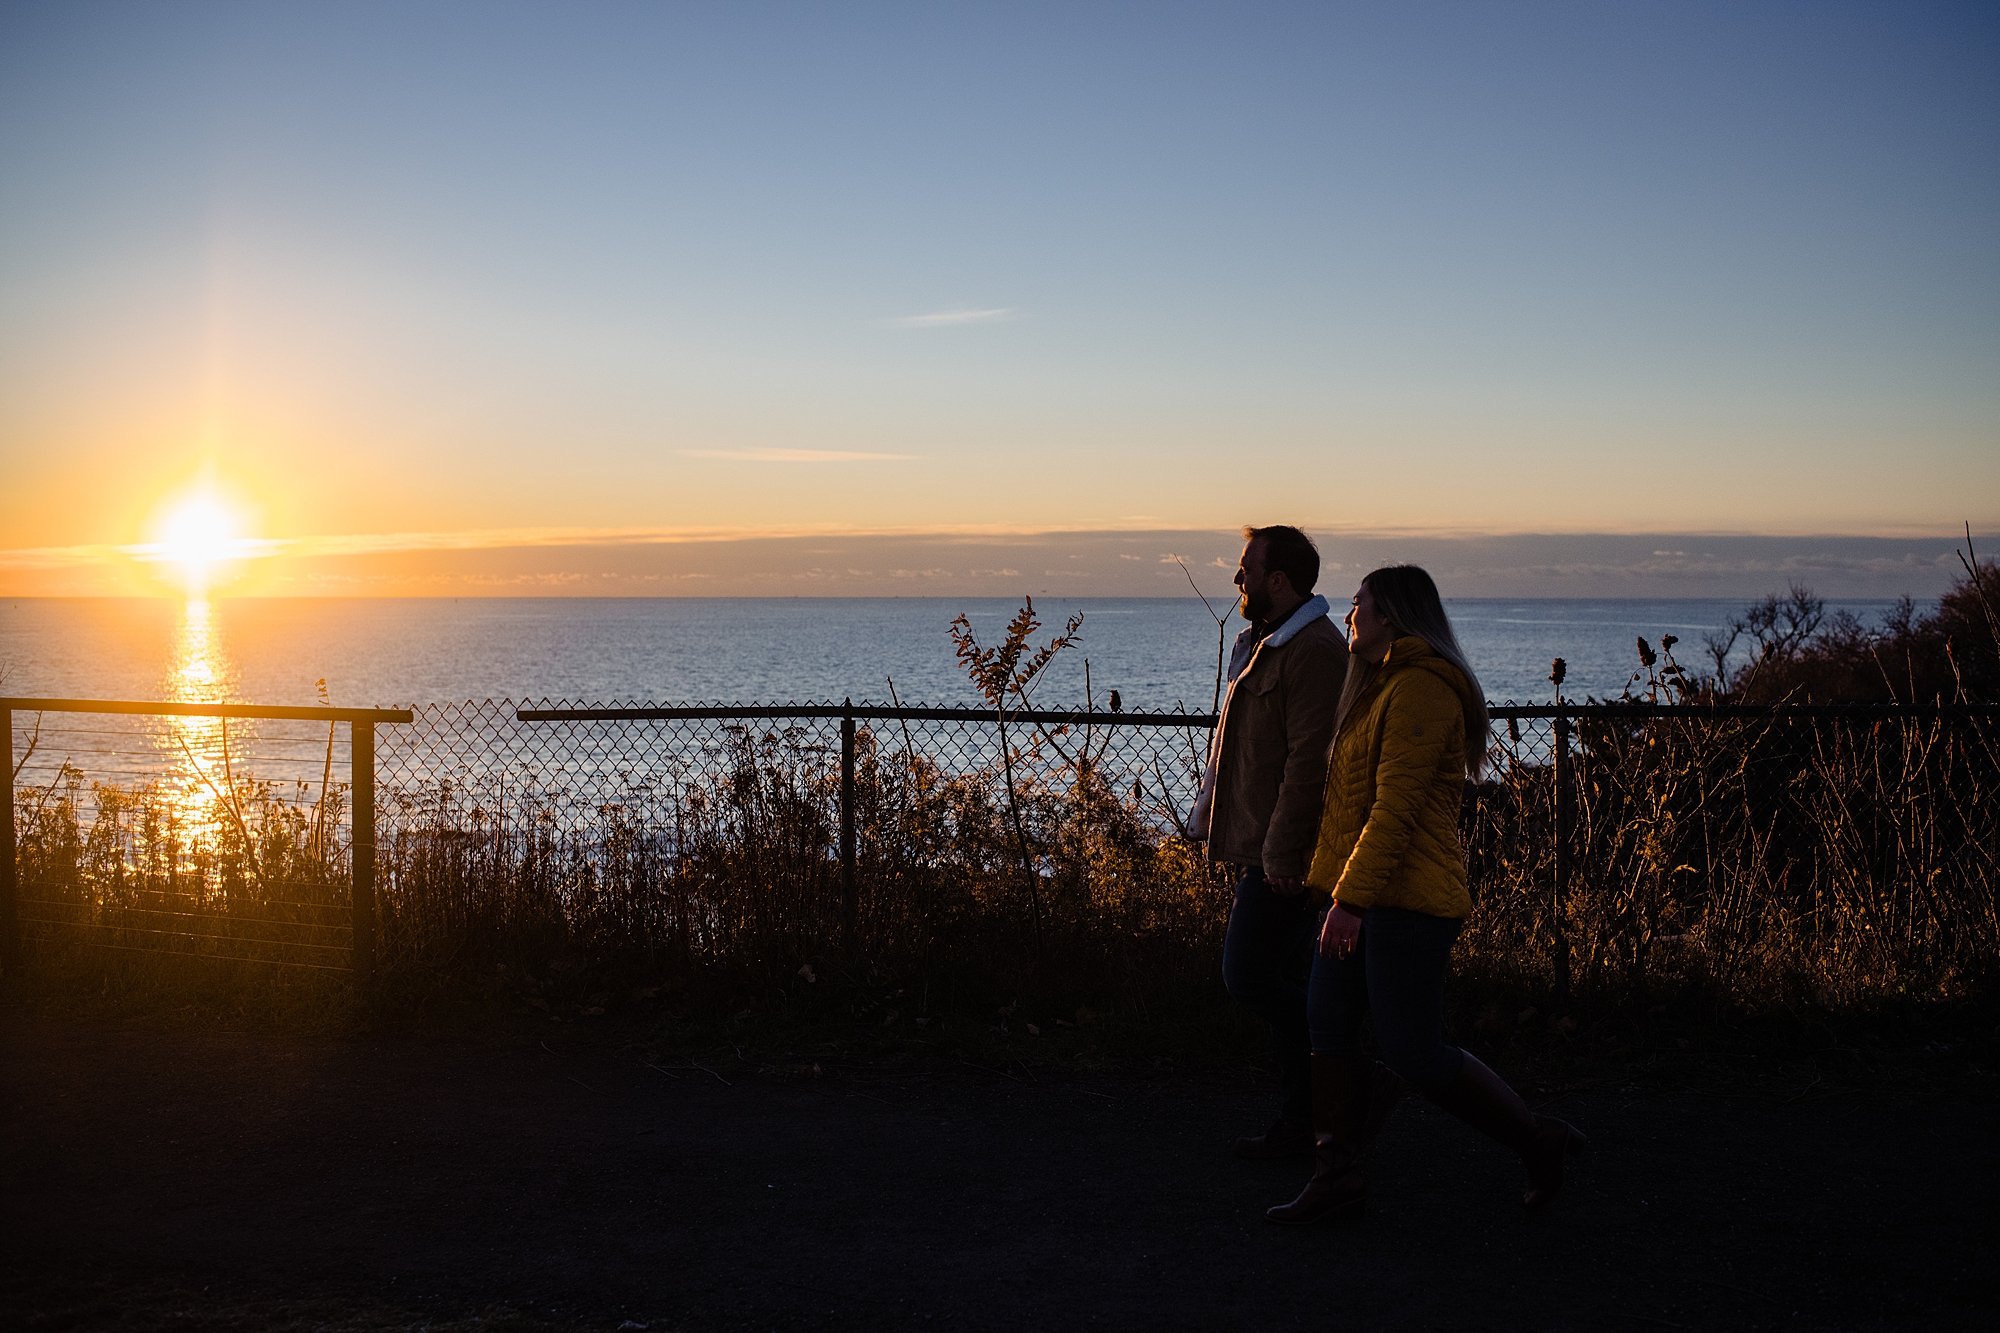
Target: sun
x=198, y=534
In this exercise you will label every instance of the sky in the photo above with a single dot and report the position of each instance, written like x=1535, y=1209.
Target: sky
x=746, y=298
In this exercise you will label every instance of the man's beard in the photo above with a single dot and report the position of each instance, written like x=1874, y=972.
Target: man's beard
x=1254, y=606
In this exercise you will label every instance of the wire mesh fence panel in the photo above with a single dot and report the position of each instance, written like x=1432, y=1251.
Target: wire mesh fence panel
x=227, y=837
x=477, y=766
x=1835, y=852
x=1858, y=850
x=688, y=832
x=1508, y=828
x=1835, y=847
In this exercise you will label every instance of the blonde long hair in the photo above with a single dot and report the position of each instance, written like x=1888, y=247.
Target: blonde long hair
x=1407, y=597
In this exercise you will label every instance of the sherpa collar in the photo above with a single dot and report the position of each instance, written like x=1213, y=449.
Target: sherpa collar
x=1308, y=611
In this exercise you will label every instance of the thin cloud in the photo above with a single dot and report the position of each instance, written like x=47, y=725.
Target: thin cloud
x=945, y=319
x=60, y=557
x=100, y=553
x=89, y=554
x=796, y=455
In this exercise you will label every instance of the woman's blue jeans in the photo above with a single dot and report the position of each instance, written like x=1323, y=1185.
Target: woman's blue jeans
x=1266, y=957
x=1396, y=976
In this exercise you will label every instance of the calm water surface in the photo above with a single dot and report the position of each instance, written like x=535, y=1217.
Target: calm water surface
x=1158, y=653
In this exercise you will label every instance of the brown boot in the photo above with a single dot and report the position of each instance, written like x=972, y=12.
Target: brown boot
x=1337, y=1189
x=1483, y=1100
x=1554, y=1140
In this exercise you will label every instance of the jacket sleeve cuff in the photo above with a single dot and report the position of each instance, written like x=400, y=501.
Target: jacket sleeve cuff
x=1353, y=895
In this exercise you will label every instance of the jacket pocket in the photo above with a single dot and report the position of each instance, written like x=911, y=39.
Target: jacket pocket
x=1259, y=680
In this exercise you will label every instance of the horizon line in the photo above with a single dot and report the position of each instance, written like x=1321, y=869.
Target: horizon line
x=559, y=537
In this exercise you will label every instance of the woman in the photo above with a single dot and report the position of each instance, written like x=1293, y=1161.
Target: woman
x=1410, y=727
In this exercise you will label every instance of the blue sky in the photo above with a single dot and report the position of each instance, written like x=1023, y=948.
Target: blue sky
x=452, y=274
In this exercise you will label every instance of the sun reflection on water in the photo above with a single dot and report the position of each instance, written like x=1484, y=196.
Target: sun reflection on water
x=200, y=764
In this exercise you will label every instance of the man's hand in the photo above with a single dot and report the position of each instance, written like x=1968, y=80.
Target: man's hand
x=1286, y=886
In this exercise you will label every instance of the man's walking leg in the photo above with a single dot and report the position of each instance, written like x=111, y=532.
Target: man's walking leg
x=1266, y=959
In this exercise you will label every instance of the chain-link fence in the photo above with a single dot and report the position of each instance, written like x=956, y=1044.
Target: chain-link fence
x=1749, y=847
x=698, y=833
x=1607, y=842
x=1836, y=852
x=583, y=765
x=224, y=831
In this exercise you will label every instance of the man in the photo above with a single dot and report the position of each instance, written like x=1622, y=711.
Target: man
x=1259, y=804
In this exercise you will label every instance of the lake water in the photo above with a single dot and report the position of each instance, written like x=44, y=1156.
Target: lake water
x=448, y=658
x=1160, y=654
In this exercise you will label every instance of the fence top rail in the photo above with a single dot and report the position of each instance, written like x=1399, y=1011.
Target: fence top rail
x=1071, y=717
x=165, y=709
x=1586, y=711
x=873, y=712
x=1499, y=712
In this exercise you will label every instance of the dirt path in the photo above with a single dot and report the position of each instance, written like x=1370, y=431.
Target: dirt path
x=151, y=1179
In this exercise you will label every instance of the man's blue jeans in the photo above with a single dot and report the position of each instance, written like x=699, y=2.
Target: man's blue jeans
x=1395, y=977
x=1266, y=958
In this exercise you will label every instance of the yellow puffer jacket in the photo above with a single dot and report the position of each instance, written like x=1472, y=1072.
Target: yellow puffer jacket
x=1388, y=835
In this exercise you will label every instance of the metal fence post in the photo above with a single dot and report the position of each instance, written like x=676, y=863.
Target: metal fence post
x=849, y=903
x=361, y=752
x=1561, y=896
x=10, y=918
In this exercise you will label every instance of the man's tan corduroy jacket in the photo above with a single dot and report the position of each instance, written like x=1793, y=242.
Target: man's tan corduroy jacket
x=1259, y=803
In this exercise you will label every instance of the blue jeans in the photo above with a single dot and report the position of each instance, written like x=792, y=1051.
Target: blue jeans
x=1266, y=958
x=1396, y=975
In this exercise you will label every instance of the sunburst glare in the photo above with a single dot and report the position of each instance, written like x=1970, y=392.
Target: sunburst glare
x=199, y=536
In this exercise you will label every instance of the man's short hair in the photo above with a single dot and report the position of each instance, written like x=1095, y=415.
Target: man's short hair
x=1288, y=550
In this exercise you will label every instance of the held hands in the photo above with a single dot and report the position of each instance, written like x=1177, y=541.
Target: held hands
x=1340, y=933
x=1285, y=885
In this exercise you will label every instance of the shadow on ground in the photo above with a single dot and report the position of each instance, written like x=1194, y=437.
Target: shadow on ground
x=152, y=1178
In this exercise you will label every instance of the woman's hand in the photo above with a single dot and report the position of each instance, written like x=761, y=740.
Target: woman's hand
x=1339, y=933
